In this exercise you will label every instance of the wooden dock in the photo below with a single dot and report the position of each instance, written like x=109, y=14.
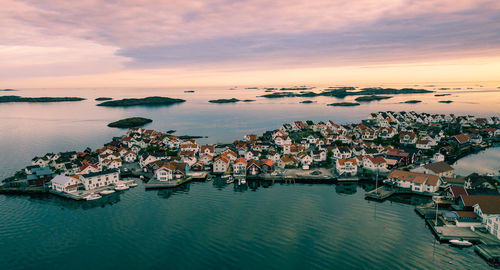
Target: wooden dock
x=380, y=193
x=155, y=184
x=491, y=253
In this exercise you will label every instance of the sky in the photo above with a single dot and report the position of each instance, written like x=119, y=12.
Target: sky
x=165, y=43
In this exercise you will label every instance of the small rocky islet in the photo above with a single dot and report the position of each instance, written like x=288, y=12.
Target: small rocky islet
x=147, y=101
x=131, y=122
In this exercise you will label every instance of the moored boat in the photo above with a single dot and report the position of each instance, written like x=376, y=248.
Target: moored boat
x=133, y=184
x=107, y=192
x=460, y=243
x=92, y=196
x=121, y=187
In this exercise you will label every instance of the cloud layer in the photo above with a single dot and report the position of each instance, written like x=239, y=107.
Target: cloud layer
x=50, y=37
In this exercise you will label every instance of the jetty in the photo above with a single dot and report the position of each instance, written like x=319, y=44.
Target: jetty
x=380, y=193
x=491, y=253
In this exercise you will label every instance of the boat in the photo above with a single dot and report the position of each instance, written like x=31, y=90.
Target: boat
x=460, y=243
x=209, y=178
x=133, y=184
x=243, y=181
x=230, y=179
x=107, y=192
x=121, y=187
x=226, y=176
x=92, y=197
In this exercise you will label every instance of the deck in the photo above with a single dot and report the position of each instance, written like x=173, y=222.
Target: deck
x=380, y=193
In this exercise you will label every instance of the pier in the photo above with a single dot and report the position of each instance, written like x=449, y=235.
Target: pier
x=491, y=253
x=380, y=193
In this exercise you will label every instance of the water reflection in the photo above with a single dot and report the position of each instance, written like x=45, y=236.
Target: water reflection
x=347, y=188
x=168, y=192
x=49, y=199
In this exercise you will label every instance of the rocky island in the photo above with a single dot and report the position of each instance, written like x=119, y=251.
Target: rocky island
x=307, y=101
x=8, y=90
x=371, y=98
x=344, y=104
x=232, y=100
x=103, y=98
x=7, y=99
x=130, y=122
x=148, y=101
x=342, y=92
x=446, y=101
x=442, y=95
x=413, y=101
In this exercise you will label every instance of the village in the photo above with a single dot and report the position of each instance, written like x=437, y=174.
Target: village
x=403, y=152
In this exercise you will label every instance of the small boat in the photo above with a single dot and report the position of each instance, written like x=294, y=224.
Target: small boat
x=121, y=187
x=226, y=176
x=460, y=243
x=230, y=179
x=92, y=197
x=209, y=178
x=107, y=192
x=243, y=181
x=133, y=184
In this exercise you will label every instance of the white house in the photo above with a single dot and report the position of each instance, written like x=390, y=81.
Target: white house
x=165, y=172
x=64, y=183
x=99, y=179
x=240, y=166
x=221, y=164
x=376, y=164
x=130, y=156
x=347, y=166
x=493, y=224
x=305, y=159
x=417, y=182
x=441, y=169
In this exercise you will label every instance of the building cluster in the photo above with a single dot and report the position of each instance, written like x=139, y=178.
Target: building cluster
x=409, y=150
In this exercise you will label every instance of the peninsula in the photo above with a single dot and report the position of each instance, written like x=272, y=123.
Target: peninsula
x=148, y=101
x=130, y=122
x=7, y=99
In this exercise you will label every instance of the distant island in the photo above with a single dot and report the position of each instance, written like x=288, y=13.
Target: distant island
x=8, y=90
x=442, y=95
x=103, y=98
x=413, y=101
x=307, y=101
x=446, y=101
x=148, y=101
x=344, y=104
x=341, y=92
x=7, y=99
x=130, y=122
x=232, y=100
x=371, y=98
x=189, y=91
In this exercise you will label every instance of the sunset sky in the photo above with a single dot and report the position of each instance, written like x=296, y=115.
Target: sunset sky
x=98, y=43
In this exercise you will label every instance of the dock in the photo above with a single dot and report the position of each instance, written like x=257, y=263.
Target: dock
x=491, y=253
x=380, y=193
x=155, y=184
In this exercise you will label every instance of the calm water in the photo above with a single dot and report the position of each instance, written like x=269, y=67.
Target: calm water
x=204, y=226
x=487, y=161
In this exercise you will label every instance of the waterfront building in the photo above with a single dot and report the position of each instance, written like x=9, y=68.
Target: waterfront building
x=99, y=179
x=346, y=166
x=417, y=182
x=441, y=169
x=63, y=183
